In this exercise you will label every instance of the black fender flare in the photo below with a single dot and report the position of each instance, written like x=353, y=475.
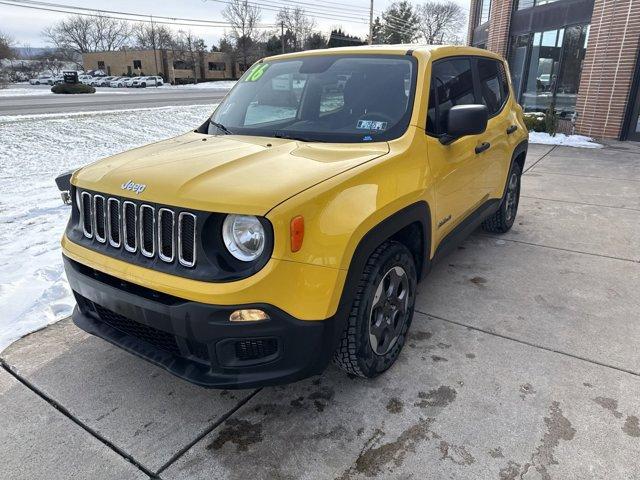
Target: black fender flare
x=520, y=149
x=390, y=226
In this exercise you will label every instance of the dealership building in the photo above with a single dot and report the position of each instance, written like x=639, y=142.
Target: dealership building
x=581, y=56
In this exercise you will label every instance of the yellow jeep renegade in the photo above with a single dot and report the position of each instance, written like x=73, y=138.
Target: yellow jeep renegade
x=292, y=227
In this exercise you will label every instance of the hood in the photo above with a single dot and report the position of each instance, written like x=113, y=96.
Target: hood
x=228, y=174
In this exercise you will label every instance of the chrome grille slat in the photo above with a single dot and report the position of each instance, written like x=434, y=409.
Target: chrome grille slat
x=147, y=230
x=114, y=228
x=99, y=219
x=139, y=228
x=130, y=220
x=166, y=226
x=186, y=239
x=86, y=214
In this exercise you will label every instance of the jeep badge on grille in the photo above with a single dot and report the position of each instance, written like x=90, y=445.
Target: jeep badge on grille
x=134, y=187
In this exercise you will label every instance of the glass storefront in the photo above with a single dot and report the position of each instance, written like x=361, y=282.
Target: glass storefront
x=522, y=4
x=545, y=68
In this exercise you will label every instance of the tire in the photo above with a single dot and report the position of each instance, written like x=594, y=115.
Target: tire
x=502, y=220
x=390, y=266
x=144, y=85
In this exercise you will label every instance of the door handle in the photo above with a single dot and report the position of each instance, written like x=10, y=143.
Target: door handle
x=482, y=147
x=512, y=129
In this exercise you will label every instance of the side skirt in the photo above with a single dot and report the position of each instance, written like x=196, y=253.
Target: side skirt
x=466, y=227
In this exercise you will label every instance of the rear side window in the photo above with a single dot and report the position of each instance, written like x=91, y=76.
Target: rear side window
x=451, y=84
x=494, y=88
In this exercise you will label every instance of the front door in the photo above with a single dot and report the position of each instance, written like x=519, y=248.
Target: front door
x=458, y=170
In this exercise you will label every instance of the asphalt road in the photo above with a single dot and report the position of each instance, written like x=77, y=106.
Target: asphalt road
x=105, y=99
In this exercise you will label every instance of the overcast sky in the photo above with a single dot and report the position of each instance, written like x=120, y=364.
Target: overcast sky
x=25, y=25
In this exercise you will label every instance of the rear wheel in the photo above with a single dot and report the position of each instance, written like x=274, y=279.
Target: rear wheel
x=502, y=220
x=381, y=312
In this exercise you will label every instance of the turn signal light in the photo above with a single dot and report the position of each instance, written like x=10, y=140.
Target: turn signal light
x=248, y=315
x=297, y=233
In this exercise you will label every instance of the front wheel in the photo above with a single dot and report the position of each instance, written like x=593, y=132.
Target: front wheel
x=381, y=312
x=502, y=220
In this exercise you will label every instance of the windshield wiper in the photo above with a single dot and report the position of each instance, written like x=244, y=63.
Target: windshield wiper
x=289, y=136
x=221, y=127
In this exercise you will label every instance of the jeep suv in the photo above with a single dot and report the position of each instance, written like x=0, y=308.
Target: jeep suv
x=293, y=226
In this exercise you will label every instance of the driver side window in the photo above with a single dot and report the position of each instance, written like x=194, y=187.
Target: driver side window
x=451, y=84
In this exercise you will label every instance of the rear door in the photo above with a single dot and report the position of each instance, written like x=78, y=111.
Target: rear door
x=457, y=169
x=494, y=93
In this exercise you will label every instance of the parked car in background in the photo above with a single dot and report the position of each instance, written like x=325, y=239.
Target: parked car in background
x=86, y=79
x=147, y=82
x=117, y=82
x=102, y=81
x=42, y=80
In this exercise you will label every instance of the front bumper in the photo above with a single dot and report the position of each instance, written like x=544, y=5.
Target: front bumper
x=196, y=341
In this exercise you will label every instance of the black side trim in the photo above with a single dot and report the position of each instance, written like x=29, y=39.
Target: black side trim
x=466, y=227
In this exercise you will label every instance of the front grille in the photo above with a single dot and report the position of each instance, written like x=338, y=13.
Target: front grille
x=256, y=349
x=158, y=338
x=139, y=228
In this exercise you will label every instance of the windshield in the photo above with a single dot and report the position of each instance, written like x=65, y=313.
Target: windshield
x=334, y=98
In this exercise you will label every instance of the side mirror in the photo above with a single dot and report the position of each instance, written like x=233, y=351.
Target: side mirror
x=463, y=120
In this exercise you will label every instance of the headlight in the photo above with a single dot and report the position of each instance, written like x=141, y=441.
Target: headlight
x=244, y=236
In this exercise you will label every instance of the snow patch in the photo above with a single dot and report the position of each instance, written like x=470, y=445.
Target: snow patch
x=34, y=149
x=578, y=141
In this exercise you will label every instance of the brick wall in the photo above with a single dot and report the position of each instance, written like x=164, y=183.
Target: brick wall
x=499, y=21
x=608, y=68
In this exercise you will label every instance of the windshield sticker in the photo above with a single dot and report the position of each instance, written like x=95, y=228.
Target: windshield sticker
x=371, y=125
x=256, y=72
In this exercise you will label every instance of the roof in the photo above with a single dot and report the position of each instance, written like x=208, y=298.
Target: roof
x=397, y=49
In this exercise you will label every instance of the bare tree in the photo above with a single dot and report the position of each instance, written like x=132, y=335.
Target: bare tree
x=441, y=22
x=109, y=33
x=189, y=49
x=6, y=46
x=296, y=21
x=147, y=36
x=79, y=34
x=244, y=18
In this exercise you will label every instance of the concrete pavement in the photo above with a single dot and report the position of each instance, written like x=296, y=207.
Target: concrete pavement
x=522, y=363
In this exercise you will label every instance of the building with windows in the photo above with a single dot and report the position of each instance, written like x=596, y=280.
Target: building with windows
x=581, y=57
x=173, y=66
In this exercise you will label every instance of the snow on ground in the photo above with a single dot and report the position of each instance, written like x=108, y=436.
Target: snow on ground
x=33, y=151
x=563, y=140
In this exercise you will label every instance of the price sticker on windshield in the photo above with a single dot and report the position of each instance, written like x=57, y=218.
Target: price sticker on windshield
x=256, y=72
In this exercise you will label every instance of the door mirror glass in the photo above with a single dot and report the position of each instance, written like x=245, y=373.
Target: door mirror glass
x=463, y=120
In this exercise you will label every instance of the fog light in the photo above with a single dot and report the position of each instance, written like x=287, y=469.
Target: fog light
x=248, y=315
